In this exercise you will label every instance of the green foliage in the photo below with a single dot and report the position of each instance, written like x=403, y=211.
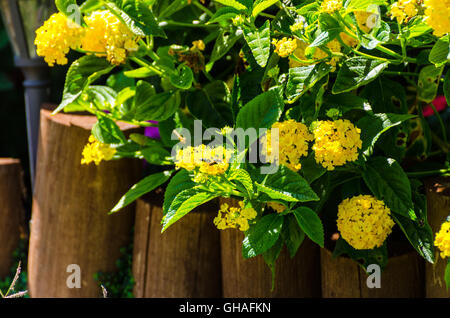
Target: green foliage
x=262, y=236
x=310, y=223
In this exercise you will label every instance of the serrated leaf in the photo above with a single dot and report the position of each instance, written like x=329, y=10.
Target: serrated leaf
x=180, y=182
x=388, y=182
x=262, y=235
x=293, y=235
x=142, y=187
x=81, y=74
x=232, y=3
x=357, y=71
x=373, y=126
x=440, y=53
x=302, y=78
x=182, y=78
x=184, y=203
x=243, y=177
x=259, y=42
x=225, y=13
x=106, y=131
x=310, y=223
x=261, y=5
x=428, y=83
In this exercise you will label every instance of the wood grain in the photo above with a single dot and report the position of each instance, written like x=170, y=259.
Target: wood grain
x=438, y=206
x=184, y=261
x=297, y=277
x=403, y=277
x=12, y=213
x=70, y=224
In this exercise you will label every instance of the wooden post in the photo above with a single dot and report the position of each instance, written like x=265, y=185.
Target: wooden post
x=184, y=261
x=297, y=277
x=12, y=213
x=438, y=206
x=70, y=222
x=344, y=278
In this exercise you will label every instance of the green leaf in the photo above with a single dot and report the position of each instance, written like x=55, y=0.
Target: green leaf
x=446, y=87
x=184, y=203
x=261, y=5
x=224, y=42
x=180, y=182
x=69, y=8
x=293, y=235
x=150, y=106
x=287, y=185
x=106, y=131
x=223, y=14
x=243, y=177
x=363, y=4
x=388, y=182
x=357, y=71
x=261, y=112
x=345, y=102
x=233, y=3
x=440, y=53
x=302, y=78
x=447, y=274
x=311, y=170
x=262, y=235
x=142, y=187
x=141, y=72
x=310, y=223
x=182, y=78
x=330, y=29
x=259, y=42
x=81, y=74
x=373, y=126
x=211, y=104
x=428, y=83
x=136, y=14
x=270, y=257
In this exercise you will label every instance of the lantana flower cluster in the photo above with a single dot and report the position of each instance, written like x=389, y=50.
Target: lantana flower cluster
x=105, y=36
x=96, y=152
x=234, y=217
x=364, y=222
x=442, y=239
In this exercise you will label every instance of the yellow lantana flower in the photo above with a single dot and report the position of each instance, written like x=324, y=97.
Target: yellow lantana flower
x=278, y=207
x=437, y=14
x=293, y=138
x=234, y=217
x=330, y=6
x=336, y=142
x=403, y=10
x=442, y=240
x=300, y=53
x=56, y=37
x=107, y=36
x=364, y=222
x=285, y=46
x=95, y=151
x=203, y=159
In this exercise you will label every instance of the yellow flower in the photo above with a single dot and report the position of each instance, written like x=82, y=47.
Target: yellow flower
x=107, y=36
x=234, y=217
x=292, y=143
x=199, y=45
x=442, y=240
x=403, y=10
x=437, y=14
x=336, y=142
x=300, y=53
x=364, y=222
x=285, y=46
x=278, y=207
x=56, y=37
x=296, y=26
x=95, y=151
x=330, y=6
x=207, y=160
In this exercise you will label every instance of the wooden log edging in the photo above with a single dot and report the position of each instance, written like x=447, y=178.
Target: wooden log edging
x=70, y=222
x=12, y=212
x=438, y=208
x=342, y=277
x=294, y=278
x=182, y=262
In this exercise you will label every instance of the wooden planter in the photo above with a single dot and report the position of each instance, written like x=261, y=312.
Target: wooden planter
x=70, y=222
x=184, y=261
x=12, y=213
x=344, y=278
x=297, y=277
x=438, y=206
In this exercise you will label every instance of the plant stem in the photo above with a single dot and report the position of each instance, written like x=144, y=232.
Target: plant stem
x=144, y=63
x=271, y=16
x=188, y=25
x=440, y=172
